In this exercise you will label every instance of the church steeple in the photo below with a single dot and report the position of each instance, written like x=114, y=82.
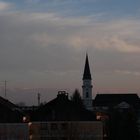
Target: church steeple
x=87, y=86
x=86, y=74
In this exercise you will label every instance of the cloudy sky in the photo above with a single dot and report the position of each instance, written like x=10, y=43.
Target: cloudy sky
x=43, y=44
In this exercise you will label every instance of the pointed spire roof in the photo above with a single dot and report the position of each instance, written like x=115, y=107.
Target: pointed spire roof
x=87, y=74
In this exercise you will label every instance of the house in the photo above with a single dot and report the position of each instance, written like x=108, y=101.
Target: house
x=62, y=119
x=62, y=109
x=9, y=112
x=14, y=131
x=118, y=112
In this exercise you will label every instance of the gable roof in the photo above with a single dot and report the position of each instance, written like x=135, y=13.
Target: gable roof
x=10, y=113
x=114, y=99
x=8, y=104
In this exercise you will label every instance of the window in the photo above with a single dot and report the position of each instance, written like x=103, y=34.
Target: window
x=64, y=126
x=54, y=138
x=43, y=138
x=44, y=126
x=53, y=126
x=87, y=95
x=64, y=138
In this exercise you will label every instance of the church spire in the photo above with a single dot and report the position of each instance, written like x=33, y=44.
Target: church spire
x=86, y=74
x=87, y=86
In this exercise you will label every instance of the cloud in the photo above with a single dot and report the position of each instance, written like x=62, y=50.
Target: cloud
x=127, y=72
x=116, y=43
x=32, y=1
x=36, y=43
x=84, y=32
x=47, y=49
x=5, y=5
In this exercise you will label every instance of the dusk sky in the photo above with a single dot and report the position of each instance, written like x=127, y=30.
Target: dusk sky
x=43, y=45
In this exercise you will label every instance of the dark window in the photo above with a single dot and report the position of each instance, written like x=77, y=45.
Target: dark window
x=43, y=138
x=87, y=95
x=64, y=126
x=53, y=126
x=63, y=138
x=44, y=126
x=54, y=138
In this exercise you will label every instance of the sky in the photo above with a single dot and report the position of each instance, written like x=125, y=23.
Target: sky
x=43, y=45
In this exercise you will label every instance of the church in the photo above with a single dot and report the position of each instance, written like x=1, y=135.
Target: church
x=106, y=117
x=119, y=112
x=87, y=86
x=105, y=101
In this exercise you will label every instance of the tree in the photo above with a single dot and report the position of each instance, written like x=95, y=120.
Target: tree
x=76, y=98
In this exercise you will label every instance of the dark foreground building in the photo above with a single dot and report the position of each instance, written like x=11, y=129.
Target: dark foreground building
x=119, y=113
x=62, y=109
x=108, y=101
x=9, y=112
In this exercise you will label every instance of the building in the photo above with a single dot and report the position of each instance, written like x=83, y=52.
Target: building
x=66, y=130
x=120, y=100
x=61, y=109
x=119, y=113
x=14, y=131
x=52, y=130
x=87, y=86
x=106, y=100
x=10, y=113
x=61, y=119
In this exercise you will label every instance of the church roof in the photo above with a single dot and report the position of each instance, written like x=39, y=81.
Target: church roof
x=114, y=99
x=87, y=74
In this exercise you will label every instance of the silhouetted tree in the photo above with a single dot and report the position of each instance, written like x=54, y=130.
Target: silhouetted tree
x=76, y=98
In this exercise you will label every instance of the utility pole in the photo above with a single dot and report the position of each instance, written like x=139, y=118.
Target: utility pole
x=38, y=97
x=5, y=89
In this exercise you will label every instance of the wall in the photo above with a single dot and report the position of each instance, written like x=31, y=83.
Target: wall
x=66, y=130
x=12, y=131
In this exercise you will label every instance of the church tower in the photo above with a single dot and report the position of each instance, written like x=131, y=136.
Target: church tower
x=87, y=86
